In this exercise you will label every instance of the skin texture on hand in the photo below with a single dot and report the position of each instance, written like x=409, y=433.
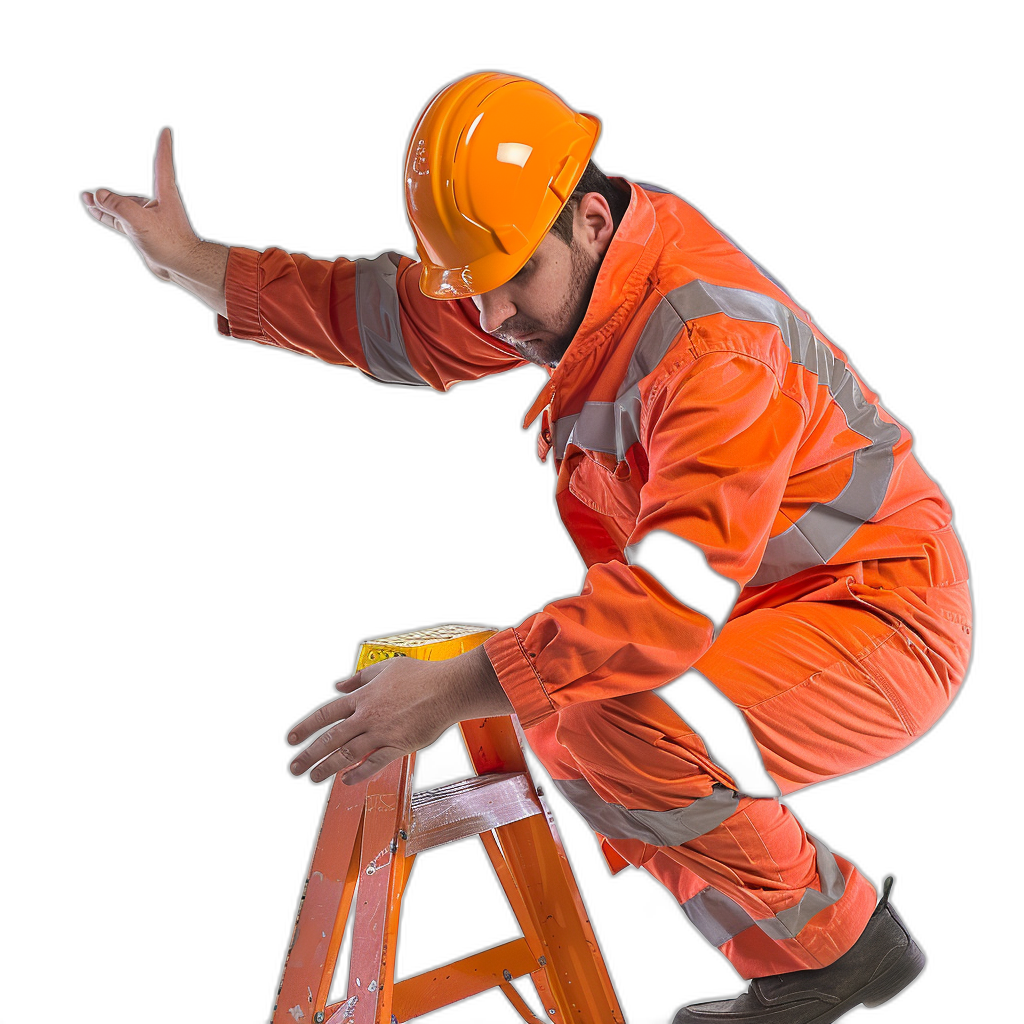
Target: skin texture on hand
x=392, y=709
x=159, y=229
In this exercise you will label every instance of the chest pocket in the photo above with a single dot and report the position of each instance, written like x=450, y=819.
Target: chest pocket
x=606, y=485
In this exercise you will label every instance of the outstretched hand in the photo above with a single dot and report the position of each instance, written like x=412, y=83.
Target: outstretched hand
x=160, y=231
x=392, y=709
x=158, y=227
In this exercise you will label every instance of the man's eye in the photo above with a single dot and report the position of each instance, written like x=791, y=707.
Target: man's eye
x=525, y=272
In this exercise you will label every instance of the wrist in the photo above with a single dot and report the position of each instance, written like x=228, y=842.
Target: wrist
x=479, y=692
x=202, y=270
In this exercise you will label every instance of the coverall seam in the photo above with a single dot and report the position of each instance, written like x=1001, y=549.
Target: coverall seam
x=529, y=661
x=854, y=659
x=669, y=371
x=893, y=698
x=259, y=293
x=764, y=846
x=682, y=365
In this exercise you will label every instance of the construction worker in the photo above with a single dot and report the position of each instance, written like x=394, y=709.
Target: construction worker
x=744, y=504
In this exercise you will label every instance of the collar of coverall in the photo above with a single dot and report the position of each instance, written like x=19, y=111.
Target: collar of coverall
x=620, y=285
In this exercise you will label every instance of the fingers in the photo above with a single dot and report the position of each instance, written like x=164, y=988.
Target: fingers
x=113, y=210
x=324, y=716
x=375, y=763
x=333, y=751
x=117, y=211
x=343, y=745
x=346, y=742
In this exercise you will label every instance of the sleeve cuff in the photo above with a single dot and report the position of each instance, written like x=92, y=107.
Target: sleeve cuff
x=242, y=295
x=519, y=679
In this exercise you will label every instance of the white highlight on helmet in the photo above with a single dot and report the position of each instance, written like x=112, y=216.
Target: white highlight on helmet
x=514, y=153
x=472, y=127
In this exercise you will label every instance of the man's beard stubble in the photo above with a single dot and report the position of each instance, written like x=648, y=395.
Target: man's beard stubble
x=583, y=274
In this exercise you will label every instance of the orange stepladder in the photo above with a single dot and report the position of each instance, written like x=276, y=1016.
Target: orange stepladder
x=369, y=837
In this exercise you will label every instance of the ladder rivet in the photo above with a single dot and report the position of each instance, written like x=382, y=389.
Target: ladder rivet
x=318, y=1017
x=508, y=975
x=403, y=833
x=543, y=961
x=552, y=1012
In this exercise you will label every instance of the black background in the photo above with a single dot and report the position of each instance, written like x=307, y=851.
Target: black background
x=236, y=519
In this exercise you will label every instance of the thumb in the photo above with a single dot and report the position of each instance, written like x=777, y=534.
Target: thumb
x=361, y=678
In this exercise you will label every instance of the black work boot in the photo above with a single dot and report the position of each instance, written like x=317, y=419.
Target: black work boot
x=882, y=962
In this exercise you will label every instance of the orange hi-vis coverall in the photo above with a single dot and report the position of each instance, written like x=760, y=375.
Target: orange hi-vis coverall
x=697, y=403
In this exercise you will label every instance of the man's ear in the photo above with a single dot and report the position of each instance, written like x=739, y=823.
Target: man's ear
x=593, y=222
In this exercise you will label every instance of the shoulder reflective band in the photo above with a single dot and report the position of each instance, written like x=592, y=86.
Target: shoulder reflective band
x=681, y=568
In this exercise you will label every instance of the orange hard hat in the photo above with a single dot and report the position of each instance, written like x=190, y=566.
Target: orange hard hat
x=490, y=164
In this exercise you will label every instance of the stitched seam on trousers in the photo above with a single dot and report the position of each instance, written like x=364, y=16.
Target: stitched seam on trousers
x=856, y=660
x=764, y=845
x=893, y=698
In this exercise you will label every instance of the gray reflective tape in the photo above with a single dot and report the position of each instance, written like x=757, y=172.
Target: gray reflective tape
x=661, y=329
x=716, y=916
x=593, y=428
x=380, y=326
x=658, y=828
x=719, y=918
x=819, y=534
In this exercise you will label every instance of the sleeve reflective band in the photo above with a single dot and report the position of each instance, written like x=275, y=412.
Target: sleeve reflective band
x=681, y=568
x=380, y=326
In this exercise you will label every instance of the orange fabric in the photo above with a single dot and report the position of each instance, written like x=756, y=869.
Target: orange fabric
x=295, y=302
x=738, y=442
x=835, y=666
x=827, y=686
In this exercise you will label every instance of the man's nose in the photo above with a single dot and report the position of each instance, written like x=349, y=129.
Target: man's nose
x=495, y=308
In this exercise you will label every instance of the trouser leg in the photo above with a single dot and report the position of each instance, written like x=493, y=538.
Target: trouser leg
x=827, y=687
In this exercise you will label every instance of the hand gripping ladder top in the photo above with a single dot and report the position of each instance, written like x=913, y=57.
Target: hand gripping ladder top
x=368, y=839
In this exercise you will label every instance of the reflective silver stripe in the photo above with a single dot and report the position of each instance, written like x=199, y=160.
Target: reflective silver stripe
x=719, y=918
x=825, y=527
x=380, y=330
x=659, y=828
x=614, y=427
x=592, y=428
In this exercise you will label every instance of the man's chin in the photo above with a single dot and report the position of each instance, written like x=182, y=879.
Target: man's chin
x=543, y=353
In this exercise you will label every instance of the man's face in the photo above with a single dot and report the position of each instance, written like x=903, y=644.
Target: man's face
x=539, y=311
